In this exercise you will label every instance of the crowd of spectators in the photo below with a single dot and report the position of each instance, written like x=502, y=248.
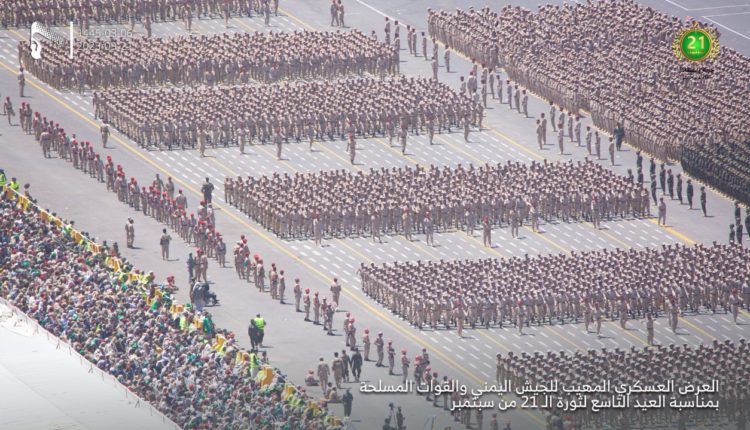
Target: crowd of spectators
x=168, y=354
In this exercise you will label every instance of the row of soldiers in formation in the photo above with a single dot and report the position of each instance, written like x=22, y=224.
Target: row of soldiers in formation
x=725, y=362
x=251, y=268
x=225, y=58
x=158, y=200
x=22, y=13
x=311, y=111
x=725, y=166
x=518, y=40
x=320, y=311
x=408, y=200
x=588, y=287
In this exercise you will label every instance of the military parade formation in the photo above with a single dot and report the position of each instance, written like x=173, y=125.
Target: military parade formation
x=725, y=362
x=586, y=287
x=288, y=112
x=597, y=68
x=22, y=13
x=225, y=58
x=415, y=200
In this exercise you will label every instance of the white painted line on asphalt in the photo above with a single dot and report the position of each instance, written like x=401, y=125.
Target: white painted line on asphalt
x=557, y=343
x=728, y=14
x=728, y=28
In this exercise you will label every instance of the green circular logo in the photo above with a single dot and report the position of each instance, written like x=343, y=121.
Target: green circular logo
x=696, y=44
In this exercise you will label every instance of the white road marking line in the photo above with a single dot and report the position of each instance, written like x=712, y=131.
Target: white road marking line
x=728, y=28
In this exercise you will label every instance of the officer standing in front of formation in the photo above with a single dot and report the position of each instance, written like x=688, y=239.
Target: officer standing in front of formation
x=21, y=82
x=129, y=233
x=104, y=130
x=356, y=362
x=336, y=292
x=649, y=330
x=164, y=242
x=297, y=290
x=662, y=212
x=379, y=346
x=207, y=189
x=487, y=232
x=323, y=373
x=391, y=357
x=366, y=344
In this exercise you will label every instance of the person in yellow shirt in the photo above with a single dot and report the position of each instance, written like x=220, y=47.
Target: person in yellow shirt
x=15, y=185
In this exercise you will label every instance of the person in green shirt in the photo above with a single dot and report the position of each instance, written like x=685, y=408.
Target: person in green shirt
x=260, y=324
x=15, y=185
x=3, y=178
x=253, y=364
